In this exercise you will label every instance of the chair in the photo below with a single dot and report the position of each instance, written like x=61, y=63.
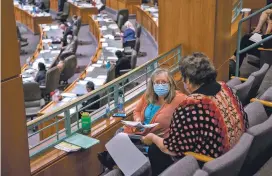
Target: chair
x=62, y=16
x=259, y=76
x=265, y=57
x=138, y=31
x=133, y=62
x=234, y=82
x=260, y=150
x=186, y=166
x=125, y=14
x=71, y=48
x=76, y=27
x=231, y=162
x=51, y=81
x=253, y=60
x=120, y=21
x=33, y=99
x=110, y=74
x=256, y=113
x=46, y=5
x=267, y=95
x=128, y=51
x=242, y=90
x=70, y=64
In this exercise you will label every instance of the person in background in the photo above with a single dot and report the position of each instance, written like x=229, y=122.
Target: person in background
x=99, y=4
x=67, y=30
x=90, y=87
x=210, y=121
x=156, y=105
x=40, y=4
x=41, y=75
x=129, y=32
x=61, y=63
x=122, y=63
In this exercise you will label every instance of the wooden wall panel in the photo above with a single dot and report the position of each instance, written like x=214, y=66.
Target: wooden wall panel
x=199, y=26
x=254, y=4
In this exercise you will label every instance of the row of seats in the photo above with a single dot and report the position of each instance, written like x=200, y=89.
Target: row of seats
x=245, y=158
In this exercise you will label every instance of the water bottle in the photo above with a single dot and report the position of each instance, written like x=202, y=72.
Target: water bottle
x=108, y=65
x=86, y=122
x=108, y=110
x=120, y=106
x=34, y=9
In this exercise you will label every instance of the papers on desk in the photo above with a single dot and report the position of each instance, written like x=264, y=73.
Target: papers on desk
x=82, y=82
x=156, y=15
x=85, y=5
x=28, y=79
x=99, y=19
x=112, y=58
x=114, y=49
x=66, y=99
x=108, y=20
x=69, y=95
x=47, y=40
x=102, y=77
x=46, y=29
x=44, y=51
x=90, y=69
x=99, y=62
x=96, y=81
x=256, y=37
x=152, y=10
x=67, y=147
x=113, y=26
x=96, y=65
x=103, y=28
x=54, y=27
x=138, y=124
x=102, y=40
x=105, y=45
x=55, y=51
x=109, y=36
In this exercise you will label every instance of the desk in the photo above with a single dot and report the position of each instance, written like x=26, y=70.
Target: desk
x=148, y=17
x=25, y=16
x=82, y=9
x=95, y=71
x=44, y=53
x=123, y=4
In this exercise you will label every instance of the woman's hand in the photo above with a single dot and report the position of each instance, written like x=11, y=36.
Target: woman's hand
x=148, y=139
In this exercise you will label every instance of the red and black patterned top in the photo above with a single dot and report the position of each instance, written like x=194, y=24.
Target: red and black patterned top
x=210, y=122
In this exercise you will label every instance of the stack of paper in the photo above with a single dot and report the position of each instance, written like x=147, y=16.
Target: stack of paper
x=256, y=37
x=47, y=40
x=67, y=147
x=90, y=69
x=103, y=28
x=105, y=45
x=109, y=36
x=113, y=26
x=70, y=95
x=54, y=27
x=112, y=58
x=138, y=124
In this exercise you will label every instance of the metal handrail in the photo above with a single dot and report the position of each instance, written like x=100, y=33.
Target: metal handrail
x=109, y=91
x=239, y=51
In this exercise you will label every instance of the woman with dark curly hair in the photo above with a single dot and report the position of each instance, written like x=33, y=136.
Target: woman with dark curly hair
x=210, y=121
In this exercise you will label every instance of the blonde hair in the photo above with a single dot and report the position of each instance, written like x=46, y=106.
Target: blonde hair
x=151, y=96
x=128, y=24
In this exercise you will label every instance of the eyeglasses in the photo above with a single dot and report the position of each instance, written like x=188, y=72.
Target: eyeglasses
x=161, y=82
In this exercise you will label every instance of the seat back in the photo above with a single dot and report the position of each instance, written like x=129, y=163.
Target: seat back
x=111, y=74
x=259, y=76
x=231, y=162
x=267, y=95
x=69, y=69
x=133, y=60
x=186, y=166
x=52, y=79
x=266, y=57
x=137, y=45
x=261, y=146
x=32, y=94
x=124, y=13
x=242, y=90
x=138, y=31
x=234, y=82
x=256, y=113
x=66, y=9
x=46, y=5
x=18, y=32
x=74, y=44
x=120, y=21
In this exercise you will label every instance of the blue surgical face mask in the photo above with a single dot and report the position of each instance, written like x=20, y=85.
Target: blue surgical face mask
x=161, y=89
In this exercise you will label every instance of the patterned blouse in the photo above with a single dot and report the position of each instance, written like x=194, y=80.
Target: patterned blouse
x=210, y=122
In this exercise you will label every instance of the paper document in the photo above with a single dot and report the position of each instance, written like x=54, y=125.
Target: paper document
x=102, y=77
x=102, y=40
x=256, y=38
x=82, y=140
x=113, y=26
x=105, y=45
x=67, y=147
x=82, y=82
x=54, y=27
x=112, y=58
x=125, y=154
x=96, y=65
x=55, y=51
x=138, y=124
x=109, y=36
x=71, y=95
x=90, y=69
x=47, y=40
x=44, y=51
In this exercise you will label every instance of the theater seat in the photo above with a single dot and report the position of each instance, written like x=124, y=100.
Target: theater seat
x=234, y=82
x=267, y=95
x=70, y=64
x=231, y=162
x=186, y=166
x=260, y=150
x=256, y=113
x=242, y=90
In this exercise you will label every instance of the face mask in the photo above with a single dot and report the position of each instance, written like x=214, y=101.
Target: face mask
x=161, y=89
x=68, y=41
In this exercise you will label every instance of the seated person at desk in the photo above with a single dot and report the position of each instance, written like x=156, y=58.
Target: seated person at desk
x=69, y=40
x=245, y=41
x=89, y=88
x=156, y=106
x=61, y=63
x=41, y=75
x=129, y=32
x=97, y=3
x=122, y=63
x=66, y=31
x=210, y=121
x=41, y=5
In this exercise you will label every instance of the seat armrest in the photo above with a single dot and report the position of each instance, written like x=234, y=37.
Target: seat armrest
x=199, y=157
x=241, y=79
x=263, y=102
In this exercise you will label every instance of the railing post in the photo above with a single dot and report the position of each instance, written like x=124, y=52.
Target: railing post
x=116, y=95
x=67, y=122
